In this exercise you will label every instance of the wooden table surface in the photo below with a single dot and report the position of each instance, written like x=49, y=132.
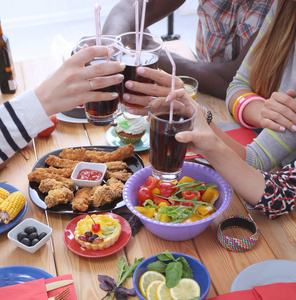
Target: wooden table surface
x=276, y=241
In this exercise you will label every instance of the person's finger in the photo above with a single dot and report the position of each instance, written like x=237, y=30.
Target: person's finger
x=160, y=77
x=88, y=54
x=148, y=88
x=102, y=69
x=291, y=93
x=102, y=82
x=136, y=99
x=138, y=111
x=182, y=95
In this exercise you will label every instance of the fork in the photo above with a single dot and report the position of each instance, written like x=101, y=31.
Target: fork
x=62, y=295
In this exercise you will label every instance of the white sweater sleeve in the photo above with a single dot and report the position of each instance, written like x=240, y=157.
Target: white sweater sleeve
x=21, y=119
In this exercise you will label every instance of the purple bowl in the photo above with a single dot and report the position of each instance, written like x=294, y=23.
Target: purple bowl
x=178, y=231
x=200, y=273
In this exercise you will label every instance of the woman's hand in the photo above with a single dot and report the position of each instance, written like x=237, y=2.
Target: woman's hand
x=201, y=139
x=74, y=83
x=161, y=88
x=279, y=112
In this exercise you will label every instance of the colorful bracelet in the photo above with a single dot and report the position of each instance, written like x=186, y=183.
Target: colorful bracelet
x=235, y=244
x=241, y=108
x=236, y=103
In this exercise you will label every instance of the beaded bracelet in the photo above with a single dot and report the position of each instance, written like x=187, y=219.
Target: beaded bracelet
x=237, y=101
x=242, y=107
x=235, y=244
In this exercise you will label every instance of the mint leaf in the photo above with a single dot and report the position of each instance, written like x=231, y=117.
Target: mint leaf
x=186, y=270
x=165, y=256
x=157, y=266
x=173, y=274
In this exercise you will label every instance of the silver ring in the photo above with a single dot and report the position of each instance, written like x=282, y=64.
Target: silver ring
x=91, y=84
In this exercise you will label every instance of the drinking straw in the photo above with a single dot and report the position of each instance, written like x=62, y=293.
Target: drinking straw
x=136, y=5
x=142, y=26
x=115, y=45
x=173, y=81
x=98, y=24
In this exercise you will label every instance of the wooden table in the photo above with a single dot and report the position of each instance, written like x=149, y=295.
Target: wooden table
x=277, y=238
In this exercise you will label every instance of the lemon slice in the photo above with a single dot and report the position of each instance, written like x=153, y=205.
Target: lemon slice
x=152, y=289
x=147, y=278
x=129, y=116
x=163, y=293
x=186, y=289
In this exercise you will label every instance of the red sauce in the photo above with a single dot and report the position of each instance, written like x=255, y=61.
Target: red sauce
x=87, y=174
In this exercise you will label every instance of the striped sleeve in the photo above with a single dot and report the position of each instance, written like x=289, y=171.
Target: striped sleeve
x=270, y=148
x=21, y=119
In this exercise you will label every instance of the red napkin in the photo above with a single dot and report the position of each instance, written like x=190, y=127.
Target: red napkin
x=57, y=291
x=33, y=290
x=276, y=291
x=36, y=289
x=244, y=136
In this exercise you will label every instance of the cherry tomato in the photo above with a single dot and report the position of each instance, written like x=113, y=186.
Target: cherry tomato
x=189, y=195
x=48, y=131
x=158, y=200
x=151, y=183
x=166, y=189
x=144, y=194
x=186, y=203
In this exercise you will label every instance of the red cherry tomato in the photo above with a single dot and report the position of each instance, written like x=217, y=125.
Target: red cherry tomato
x=144, y=194
x=48, y=131
x=151, y=183
x=96, y=227
x=189, y=195
x=158, y=200
x=166, y=189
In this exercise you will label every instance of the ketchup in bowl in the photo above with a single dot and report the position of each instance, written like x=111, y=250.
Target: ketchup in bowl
x=88, y=174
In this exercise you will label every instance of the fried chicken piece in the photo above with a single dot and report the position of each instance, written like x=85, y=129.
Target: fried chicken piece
x=90, y=153
x=116, y=165
x=74, y=154
x=65, y=172
x=51, y=184
x=56, y=161
x=116, y=186
x=82, y=199
x=101, y=195
x=120, y=154
x=122, y=175
x=58, y=196
x=40, y=174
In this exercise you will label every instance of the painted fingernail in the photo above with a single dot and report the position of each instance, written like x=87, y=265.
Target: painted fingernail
x=122, y=65
x=120, y=77
x=282, y=128
x=126, y=97
x=141, y=70
x=114, y=95
x=167, y=99
x=293, y=128
x=85, y=46
x=129, y=84
x=179, y=136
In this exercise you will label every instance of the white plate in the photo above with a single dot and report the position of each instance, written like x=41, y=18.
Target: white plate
x=265, y=272
x=65, y=118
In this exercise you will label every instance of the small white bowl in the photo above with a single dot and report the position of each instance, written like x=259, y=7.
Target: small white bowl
x=41, y=227
x=88, y=165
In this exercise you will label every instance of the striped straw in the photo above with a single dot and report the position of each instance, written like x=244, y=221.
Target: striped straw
x=173, y=81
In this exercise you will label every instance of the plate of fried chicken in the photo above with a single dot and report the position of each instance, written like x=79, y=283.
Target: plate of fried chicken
x=51, y=186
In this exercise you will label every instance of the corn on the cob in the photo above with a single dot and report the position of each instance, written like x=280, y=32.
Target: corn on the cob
x=11, y=206
x=3, y=193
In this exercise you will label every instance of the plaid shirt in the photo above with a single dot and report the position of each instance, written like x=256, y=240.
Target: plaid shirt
x=224, y=27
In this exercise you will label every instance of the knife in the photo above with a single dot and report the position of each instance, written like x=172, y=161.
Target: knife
x=57, y=284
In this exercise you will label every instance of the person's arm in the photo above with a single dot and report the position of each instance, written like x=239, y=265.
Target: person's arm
x=214, y=78
x=122, y=16
x=247, y=181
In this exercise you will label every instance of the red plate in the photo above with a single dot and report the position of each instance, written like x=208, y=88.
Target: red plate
x=75, y=247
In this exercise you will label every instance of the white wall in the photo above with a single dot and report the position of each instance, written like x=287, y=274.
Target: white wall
x=20, y=13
